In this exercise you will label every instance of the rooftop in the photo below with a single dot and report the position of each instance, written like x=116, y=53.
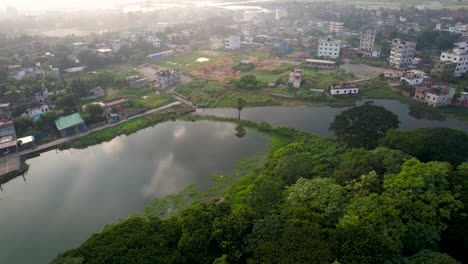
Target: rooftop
x=68, y=121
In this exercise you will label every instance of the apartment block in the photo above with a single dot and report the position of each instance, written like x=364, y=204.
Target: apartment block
x=402, y=53
x=458, y=56
x=367, y=40
x=329, y=48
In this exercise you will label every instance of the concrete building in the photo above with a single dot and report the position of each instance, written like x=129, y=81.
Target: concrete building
x=402, y=53
x=462, y=99
x=232, y=43
x=366, y=40
x=320, y=64
x=336, y=27
x=344, y=89
x=434, y=96
x=41, y=95
x=459, y=56
x=248, y=30
x=35, y=112
x=136, y=81
x=167, y=78
x=160, y=55
x=69, y=125
x=295, y=77
x=443, y=68
x=329, y=48
x=281, y=13
x=154, y=41
x=216, y=42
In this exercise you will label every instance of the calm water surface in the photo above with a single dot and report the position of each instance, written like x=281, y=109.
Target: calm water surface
x=317, y=119
x=68, y=195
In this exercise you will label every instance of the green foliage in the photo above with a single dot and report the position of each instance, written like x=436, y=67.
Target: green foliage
x=442, y=144
x=248, y=82
x=363, y=126
x=244, y=67
x=350, y=206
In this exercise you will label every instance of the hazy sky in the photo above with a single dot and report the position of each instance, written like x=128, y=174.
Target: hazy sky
x=30, y=5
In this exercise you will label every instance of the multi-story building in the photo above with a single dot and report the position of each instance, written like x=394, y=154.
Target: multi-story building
x=367, y=40
x=281, y=13
x=459, y=56
x=336, y=27
x=232, y=43
x=167, y=78
x=462, y=99
x=434, y=96
x=41, y=95
x=329, y=48
x=248, y=30
x=295, y=77
x=216, y=42
x=402, y=53
x=153, y=40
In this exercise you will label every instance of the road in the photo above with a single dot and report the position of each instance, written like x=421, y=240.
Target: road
x=71, y=138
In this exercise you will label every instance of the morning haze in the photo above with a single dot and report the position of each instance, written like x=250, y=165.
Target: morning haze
x=249, y=131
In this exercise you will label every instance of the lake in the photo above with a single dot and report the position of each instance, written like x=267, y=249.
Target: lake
x=69, y=195
x=316, y=120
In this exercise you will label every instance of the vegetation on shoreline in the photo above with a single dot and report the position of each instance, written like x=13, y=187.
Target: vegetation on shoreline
x=311, y=200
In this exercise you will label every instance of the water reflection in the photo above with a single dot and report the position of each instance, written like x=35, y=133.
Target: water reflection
x=70, y=194
x=317, y=119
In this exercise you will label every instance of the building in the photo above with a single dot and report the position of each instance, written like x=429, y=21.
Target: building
x=329, y=48
x=216, y=42
x=160, y=55
x=154, y=41
x=41, y=96
x=295, y=77
x=411, y=77
x=114, y=102
x=336, y=27
x=438, y=27
x=459, y=56
x=402, y=53
x=116, y=46
x=344, y=89
x=167, y=78
x=69, y=125
x=137, y=82
x=9, y=157
x=248, y=30
x=232, y=43
x=366, y=40
x=462, y=99
x=434, y=96
x=94, y=93
x=116, y=113
x=36, y=112
x=75, y=71
x=443, y=68
x=320, y=64
x=281, y=13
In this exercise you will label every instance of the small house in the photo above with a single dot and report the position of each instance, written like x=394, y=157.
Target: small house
x=69, y=125
x=344, y=89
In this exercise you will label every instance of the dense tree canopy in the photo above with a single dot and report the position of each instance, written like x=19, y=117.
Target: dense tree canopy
x=363, y=126
x=310, y=201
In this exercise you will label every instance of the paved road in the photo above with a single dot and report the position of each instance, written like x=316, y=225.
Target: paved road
x=71, y=138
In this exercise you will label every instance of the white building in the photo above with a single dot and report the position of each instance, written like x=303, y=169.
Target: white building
x=248, y=30
x=458, y=55
x=367, y=40
x=232, y=43
x=153, y=40
x=336, y=27
x=116, y=45
x=216, y=42
x=402, y=53
x=281, y=13
x=344, y=89
x=434, y=96
x=438, y=27
x=295, y=77
x=35, y=112
x=329, y=48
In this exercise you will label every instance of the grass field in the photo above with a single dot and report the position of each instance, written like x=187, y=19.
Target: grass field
x=156, y=99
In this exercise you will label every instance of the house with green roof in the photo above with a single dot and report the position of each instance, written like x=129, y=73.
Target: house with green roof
x=69, y=125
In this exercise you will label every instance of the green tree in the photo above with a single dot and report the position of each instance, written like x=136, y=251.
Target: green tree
x=319, y=200
x=430, y=144
x=248, y=82
x=363, y=126
x=292, y=167
x=240, y=105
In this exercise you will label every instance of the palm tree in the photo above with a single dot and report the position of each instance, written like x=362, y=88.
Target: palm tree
x=240, y=105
